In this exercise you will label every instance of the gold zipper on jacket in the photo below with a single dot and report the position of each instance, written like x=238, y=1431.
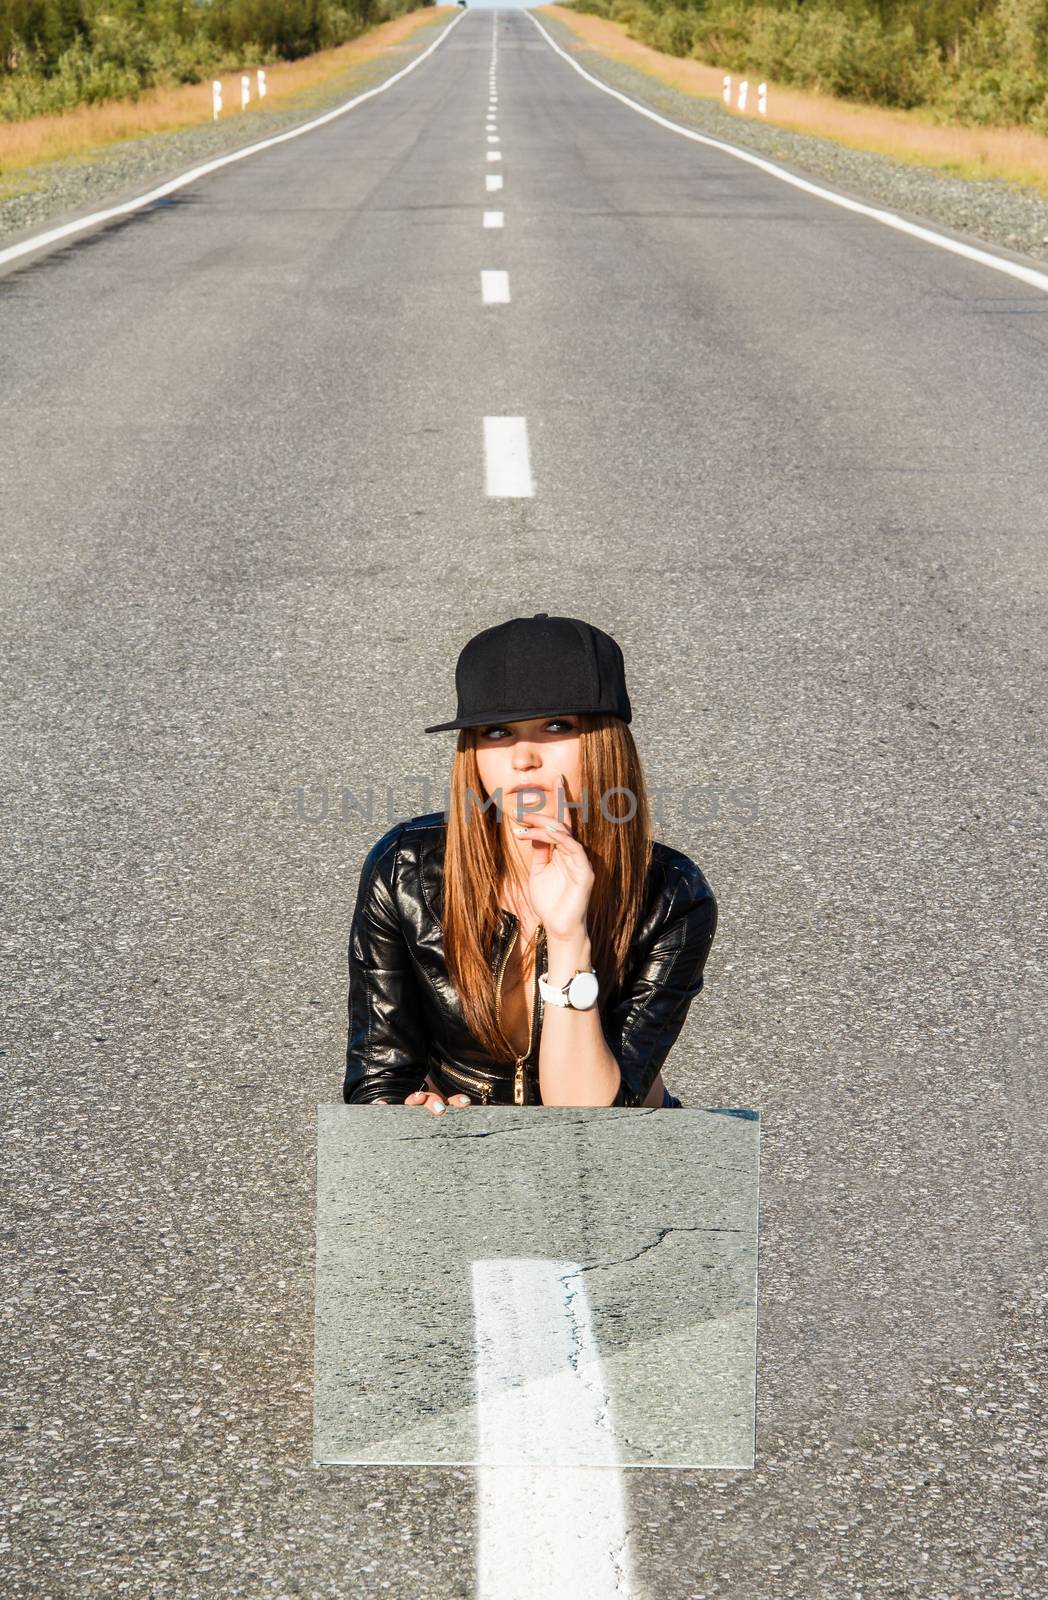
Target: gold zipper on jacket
x=536, y=1002
x=518, y=1076
x=502, y=964
x=520, y=1062
x=467, y=1078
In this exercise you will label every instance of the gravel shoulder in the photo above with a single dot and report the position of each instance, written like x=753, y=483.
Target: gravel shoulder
x=977, y=210
x=56, y=192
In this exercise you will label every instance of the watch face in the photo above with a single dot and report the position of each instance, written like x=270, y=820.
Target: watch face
x=583, y=990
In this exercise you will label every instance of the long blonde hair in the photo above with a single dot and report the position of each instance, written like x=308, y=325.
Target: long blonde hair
x=619, y=853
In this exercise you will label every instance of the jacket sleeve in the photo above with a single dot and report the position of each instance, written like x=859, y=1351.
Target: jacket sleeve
x=386, y=1048
x=643, y=1025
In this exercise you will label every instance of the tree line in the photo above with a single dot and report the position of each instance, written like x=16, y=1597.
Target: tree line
x=56, y=54
x=975, y=62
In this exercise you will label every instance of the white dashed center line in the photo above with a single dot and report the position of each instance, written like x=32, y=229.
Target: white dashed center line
x=494, y=287
x=547, y=1525
x=507, y=471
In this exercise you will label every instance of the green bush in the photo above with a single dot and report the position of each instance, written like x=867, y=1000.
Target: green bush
x=187, y=61
x=629, y=13
x=674, y=32
x=987, y=97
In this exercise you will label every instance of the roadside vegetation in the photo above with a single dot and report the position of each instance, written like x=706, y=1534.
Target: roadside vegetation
x=974, y=63
x=85, y=130
x=57, y=55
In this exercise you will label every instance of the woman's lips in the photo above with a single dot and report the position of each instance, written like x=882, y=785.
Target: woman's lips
x=529, y=797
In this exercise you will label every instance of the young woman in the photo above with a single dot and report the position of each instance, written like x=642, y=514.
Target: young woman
x=534, y=946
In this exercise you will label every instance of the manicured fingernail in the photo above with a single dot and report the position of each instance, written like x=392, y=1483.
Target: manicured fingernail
x=438, y=1108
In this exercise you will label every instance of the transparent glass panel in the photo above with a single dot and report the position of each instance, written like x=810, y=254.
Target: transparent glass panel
x=536, y=1286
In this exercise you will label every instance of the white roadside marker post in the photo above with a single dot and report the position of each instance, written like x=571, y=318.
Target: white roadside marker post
x=245, y=90
x=261, y=83
x=216, y=99
x=762, y=99
x=743, y=90
x=727, y=88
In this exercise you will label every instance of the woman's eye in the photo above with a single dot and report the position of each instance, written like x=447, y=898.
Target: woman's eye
x=554, y=722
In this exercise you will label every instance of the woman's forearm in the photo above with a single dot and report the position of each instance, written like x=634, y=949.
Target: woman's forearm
x=576, y=1068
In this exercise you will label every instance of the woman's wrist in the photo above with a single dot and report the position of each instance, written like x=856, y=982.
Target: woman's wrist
x=567, y=955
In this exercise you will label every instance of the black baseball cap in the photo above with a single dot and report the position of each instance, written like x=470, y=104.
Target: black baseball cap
x=537, y=667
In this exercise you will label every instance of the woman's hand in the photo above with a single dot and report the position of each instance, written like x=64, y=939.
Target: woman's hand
x=561, y=878
x=434, y=1103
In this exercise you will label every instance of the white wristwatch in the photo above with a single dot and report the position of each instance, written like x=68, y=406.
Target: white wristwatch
x=579, y=993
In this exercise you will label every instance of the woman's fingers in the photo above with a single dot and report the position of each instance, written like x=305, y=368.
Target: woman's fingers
x=437, y=1106
x=540, y=824
x=434, y=1103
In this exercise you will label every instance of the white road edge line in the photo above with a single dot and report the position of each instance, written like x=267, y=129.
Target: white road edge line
x=493, y=219
x=1013, y=269
x=507, y=472
x=494, y=287
x=492, y=181
x=40, y=239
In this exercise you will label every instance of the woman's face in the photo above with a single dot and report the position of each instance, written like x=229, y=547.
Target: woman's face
x=513, y=754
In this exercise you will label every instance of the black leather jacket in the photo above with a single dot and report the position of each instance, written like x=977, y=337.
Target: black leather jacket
x=405, y=1019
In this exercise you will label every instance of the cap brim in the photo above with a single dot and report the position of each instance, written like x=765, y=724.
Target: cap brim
x=492, y=717
x=476, y=722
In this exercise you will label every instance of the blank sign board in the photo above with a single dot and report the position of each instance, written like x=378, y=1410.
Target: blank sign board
x=536, y=1286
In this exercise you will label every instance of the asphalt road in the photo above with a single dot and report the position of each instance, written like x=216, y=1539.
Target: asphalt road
x=796, y=463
